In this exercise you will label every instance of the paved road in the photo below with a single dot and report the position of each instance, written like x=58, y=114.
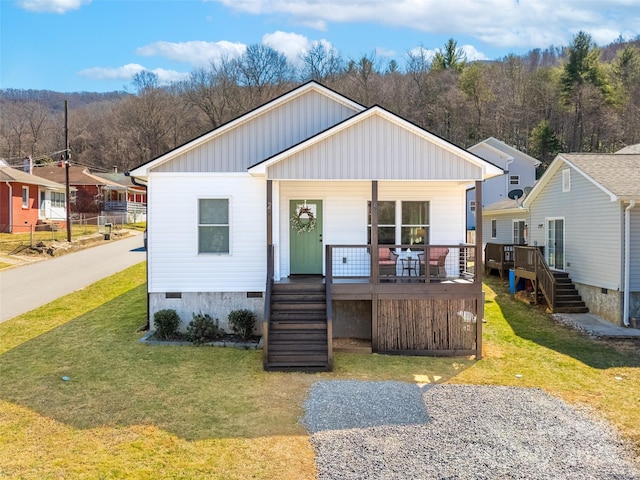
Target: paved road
x=30, y=286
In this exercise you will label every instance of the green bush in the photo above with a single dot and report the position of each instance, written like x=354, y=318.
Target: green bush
x=166, y=323
x=203, y=329
x=242, y=322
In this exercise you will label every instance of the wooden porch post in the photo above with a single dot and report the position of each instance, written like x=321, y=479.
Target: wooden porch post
x=374, y=265
x=478, y=270
x=269, y=212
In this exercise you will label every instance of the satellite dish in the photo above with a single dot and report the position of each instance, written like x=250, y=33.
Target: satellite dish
x=513, y=194
x=527, y=190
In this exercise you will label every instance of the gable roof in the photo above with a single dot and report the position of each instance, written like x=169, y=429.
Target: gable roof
x=368, y=163
x=506, y=205
x=142, y=171
x=618, y=175
x=502, y=147
x=631, y=149
x=8, y=174
x=77, y=175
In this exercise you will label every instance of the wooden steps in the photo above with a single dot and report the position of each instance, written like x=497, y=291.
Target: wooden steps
x=568, y=300
x=297, y=338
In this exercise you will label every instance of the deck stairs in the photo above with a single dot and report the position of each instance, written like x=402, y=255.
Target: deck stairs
x=568, y=300
x=298, y=333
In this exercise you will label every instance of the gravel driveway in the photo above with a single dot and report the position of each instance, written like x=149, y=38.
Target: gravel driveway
x=395, y=430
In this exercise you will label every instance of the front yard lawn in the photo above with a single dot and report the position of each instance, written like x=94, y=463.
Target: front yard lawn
x=131, y=410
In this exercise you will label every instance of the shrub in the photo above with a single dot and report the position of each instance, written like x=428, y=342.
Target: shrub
x=166, y=323
x=243, y=323
x=203, y=329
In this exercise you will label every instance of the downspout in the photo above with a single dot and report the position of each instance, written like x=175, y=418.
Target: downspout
x=10, y=205
x=627, y=260
x=506, y=175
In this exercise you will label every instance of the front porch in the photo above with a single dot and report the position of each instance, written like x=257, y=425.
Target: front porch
x=421, y=310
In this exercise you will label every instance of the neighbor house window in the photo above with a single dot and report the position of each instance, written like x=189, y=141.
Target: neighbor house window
x=472, y=207
x=519, y=232
x=566, y=180
x=412, y=229
x=57, y=199
x=213, y=225
x=25, y=197
x=514, y=180
x=494, y=228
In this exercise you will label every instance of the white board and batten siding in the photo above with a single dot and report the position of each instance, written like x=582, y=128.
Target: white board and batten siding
x=345, y=213
x=262, y=136
x=592, y=228
x=375, y=148
x=174, y=262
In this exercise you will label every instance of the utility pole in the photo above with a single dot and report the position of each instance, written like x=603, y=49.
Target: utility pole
x=66, y=166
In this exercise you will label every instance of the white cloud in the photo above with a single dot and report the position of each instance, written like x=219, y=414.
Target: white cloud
x=127, y=72
x=516, y=23
x=385, y=52
x=52, y=6
x=196, y=53
x=291, y=45
x=473, y=54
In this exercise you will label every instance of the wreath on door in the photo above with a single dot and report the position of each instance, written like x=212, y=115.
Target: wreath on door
x=303, y=221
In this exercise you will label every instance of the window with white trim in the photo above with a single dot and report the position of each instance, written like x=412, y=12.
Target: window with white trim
x=472, y=206
x=514, y=180
x=494, y=228
x=57, y=200
x=519, y=232
x=213, y=225
x=566, y=180
x=25, y=197
x=413, y=228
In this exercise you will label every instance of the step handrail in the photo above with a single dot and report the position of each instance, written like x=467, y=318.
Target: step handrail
x=329, y=310
x=532, y=259
x=267, y=307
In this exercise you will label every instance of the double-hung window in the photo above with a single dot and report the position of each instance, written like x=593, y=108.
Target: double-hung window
x=213, y=225
x=413, y=227
x=25, y=197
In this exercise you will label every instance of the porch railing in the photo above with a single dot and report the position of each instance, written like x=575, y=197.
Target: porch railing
x=414, y=263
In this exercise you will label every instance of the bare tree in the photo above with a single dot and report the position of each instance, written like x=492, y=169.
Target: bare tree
x=321, y=63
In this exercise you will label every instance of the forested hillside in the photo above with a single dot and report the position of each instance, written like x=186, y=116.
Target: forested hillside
x=577, y=98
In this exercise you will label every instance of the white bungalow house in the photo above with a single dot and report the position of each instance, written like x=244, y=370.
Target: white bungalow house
x=325, y=218
x=518, y=178
x=583, y=220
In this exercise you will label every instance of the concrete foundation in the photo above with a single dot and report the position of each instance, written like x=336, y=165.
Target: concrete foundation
x=217, y=304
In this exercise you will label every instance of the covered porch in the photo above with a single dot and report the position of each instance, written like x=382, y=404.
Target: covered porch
x=410, y=299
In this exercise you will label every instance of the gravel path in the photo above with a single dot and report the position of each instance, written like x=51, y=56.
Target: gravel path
x=394, y=430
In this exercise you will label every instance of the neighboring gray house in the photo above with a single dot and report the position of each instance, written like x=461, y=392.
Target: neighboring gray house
x=584, y=211
x=520, y=175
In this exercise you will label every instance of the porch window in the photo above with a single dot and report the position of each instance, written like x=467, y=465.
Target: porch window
x=415, y=223
x=213, y=225
x=494, y=228
x=413, y=228
x=519, y=232
x=25, y=197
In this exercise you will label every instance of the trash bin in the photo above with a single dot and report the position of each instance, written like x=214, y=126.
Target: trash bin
x=107, y=231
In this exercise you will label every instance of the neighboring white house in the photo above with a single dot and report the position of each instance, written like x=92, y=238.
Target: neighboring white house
x=219, y=204
x=519, y=175
x=585, y=212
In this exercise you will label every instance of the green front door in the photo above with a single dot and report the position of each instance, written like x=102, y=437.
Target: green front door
x=305, y=237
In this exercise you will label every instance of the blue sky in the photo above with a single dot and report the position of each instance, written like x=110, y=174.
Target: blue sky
x=98, y=45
